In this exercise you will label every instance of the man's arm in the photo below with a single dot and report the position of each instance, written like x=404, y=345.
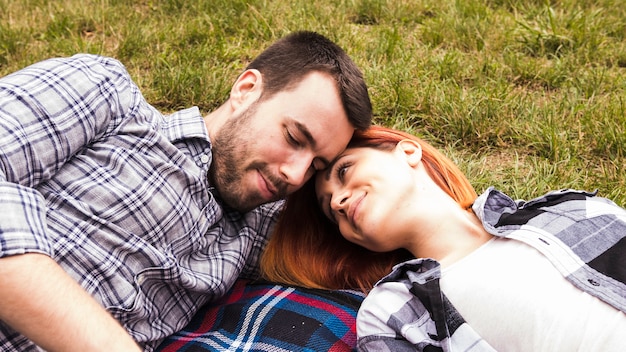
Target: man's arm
x=49, y=112
x=54, y=311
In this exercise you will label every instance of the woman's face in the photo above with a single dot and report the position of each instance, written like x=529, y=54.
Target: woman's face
x=369, y=193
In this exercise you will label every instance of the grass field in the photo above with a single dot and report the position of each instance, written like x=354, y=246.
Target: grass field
x=526, y=95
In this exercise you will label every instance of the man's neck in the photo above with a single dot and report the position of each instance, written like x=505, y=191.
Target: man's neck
x=215, y=119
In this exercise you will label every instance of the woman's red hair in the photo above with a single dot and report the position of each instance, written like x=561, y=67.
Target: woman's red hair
x=306, y=249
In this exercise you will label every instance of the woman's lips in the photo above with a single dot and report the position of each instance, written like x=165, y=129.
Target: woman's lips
x=353, y=210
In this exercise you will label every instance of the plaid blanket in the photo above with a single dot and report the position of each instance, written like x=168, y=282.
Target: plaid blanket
x=272, y=318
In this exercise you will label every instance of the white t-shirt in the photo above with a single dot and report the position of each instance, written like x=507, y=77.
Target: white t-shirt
x=517, y=301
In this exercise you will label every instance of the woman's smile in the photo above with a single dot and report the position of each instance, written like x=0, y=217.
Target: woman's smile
x=354, y=211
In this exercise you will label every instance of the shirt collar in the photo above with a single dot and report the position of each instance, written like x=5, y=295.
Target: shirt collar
x=187, y=123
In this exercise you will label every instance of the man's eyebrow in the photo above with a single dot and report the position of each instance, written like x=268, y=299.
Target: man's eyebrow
x=309, y=138
x=306, y=133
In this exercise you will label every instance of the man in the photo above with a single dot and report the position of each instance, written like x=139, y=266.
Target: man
x=107, y=203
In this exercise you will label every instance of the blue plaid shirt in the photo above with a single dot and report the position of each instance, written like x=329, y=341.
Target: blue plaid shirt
x=117, y=194
x=583, y=235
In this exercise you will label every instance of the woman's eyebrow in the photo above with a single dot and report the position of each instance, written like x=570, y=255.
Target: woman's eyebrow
x=329, y=169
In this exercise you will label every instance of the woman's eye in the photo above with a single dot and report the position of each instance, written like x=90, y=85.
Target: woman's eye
x=341, y=171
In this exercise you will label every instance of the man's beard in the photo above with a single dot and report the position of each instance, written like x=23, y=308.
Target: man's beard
x=230, y=148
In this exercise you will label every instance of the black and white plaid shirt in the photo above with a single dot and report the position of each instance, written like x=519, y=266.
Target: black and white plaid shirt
x=117, y=194
x=584, y=236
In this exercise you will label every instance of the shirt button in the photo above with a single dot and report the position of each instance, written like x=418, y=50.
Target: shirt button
x=204, y=158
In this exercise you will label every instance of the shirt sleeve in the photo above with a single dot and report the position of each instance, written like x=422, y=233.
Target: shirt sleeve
x=263, y=221
x=377, y=327
x=48, y=112
x=393, y=318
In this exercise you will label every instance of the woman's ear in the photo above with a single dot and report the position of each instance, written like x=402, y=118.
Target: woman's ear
x=411, y=150
x=246, y=89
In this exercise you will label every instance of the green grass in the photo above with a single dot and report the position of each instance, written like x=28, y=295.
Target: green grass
x=526, y=95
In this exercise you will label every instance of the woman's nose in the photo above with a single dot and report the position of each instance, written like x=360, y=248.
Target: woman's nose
x=339, y=203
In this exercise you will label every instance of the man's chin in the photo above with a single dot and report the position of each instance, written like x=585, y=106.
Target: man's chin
x=243, y=204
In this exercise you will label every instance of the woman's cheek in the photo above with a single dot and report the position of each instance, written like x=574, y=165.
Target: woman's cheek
x=348, y=234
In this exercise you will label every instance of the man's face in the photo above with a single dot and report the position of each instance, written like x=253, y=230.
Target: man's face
x=273, y=147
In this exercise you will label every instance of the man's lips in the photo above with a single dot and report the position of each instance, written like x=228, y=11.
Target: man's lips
x=267, y=188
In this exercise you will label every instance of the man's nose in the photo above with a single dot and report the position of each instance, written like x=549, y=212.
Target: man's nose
x=297, y=171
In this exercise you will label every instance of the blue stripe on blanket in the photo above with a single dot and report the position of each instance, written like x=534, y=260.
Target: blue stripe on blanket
x=273, y=318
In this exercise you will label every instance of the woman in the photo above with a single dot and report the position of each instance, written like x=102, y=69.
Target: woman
x=488, y=273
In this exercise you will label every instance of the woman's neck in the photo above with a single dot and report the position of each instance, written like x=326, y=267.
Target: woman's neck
x=464, y=243
x=439, y=227
x=452, y=238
